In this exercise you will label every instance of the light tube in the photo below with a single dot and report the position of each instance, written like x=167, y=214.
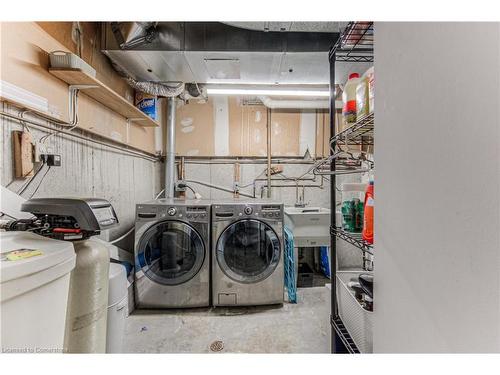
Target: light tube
x=267, y=92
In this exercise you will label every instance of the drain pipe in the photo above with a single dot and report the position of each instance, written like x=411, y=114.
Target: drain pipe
x=170, y=152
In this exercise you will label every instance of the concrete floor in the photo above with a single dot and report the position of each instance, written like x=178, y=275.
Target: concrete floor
x=291, y=328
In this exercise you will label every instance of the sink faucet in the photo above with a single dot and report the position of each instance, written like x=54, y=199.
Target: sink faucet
x=299, y=196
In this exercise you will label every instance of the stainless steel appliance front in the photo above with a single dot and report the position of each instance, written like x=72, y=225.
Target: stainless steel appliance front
x=172, y=260
x=247, y=253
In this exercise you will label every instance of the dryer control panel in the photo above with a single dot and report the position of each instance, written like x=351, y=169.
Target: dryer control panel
x=157, y=212
x=235, y=211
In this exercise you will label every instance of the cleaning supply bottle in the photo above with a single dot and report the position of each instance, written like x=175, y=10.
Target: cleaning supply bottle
x=368, y=213
x=358, y=215
x=349, y=99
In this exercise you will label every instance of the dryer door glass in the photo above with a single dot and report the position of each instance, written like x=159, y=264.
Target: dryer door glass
x=248, y=251
x=171, y=252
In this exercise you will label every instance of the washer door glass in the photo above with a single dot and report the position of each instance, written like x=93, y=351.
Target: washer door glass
x=248, y=251
x=171, y=252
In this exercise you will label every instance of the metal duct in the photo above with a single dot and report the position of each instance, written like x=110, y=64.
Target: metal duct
x=186, y=51
x=133, y=34
x=170, y=152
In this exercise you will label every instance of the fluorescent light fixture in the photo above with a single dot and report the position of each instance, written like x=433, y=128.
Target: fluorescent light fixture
x=267, y=92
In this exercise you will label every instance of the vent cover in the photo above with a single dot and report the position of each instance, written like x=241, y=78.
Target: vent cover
x=223, y=68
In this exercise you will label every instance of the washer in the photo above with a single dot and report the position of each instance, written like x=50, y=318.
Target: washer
x=247, y=253
x=172, y=254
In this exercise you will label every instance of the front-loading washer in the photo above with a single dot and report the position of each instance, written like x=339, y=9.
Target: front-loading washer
x=172, y=254
x=247, y=253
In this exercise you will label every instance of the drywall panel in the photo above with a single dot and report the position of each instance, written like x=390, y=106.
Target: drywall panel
x=307, y=136
x=437, y=244
x=195, y=128
x=285, y=132
x=237, y=128
x=320, y=134
x=247, y=128
x=90, y=51
x=256, y=141
x=25, y=62
x=229, y=126
x=221, y=125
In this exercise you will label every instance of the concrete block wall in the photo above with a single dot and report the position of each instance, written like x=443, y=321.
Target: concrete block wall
x=222, y=175
x=88, y=170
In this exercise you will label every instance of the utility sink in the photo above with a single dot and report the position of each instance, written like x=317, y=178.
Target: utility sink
x=310, y=225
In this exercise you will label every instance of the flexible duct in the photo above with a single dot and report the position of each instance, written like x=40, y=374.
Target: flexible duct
x=156, y=88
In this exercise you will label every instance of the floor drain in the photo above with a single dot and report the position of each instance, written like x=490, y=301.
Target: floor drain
x=217, y=346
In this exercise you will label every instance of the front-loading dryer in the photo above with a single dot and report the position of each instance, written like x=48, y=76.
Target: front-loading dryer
x=172, y=259
x=247, y=253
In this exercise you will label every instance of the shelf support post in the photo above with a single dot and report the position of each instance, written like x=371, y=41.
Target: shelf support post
x=333, y=207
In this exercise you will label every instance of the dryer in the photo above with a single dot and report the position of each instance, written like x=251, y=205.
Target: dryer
x=172, y=259
x=247, y=253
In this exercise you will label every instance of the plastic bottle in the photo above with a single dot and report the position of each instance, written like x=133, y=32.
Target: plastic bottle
x=362, y=98
x=358, y=215
x=370, y=77
x=368, y=213
x=349, y=99
x=348, y=216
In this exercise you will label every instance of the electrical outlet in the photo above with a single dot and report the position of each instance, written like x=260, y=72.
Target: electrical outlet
x=180, y=186
x=52, y=160
x=40, y=149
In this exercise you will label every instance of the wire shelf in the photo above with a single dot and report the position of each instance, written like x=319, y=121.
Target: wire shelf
x=359, y=133
x=344, y=335
x=354, y=239
x=355, y=43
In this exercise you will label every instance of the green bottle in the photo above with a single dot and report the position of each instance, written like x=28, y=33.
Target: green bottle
x=348, y=216
x=358, y=215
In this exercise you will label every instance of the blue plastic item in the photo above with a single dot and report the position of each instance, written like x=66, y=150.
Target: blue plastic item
x=324, y=263
x=290, y=282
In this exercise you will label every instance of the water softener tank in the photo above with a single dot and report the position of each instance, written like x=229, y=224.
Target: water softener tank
x=76, y=220
x=88, y=299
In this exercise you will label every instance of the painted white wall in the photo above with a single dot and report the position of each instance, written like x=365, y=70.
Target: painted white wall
x=437, y=217
x=88, y=170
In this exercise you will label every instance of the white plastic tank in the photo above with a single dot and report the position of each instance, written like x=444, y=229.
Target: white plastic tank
x=88, y=299
x=117, y=308
x=34, y=274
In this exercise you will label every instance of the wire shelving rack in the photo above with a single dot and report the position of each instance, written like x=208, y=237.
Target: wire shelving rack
x=355, y=45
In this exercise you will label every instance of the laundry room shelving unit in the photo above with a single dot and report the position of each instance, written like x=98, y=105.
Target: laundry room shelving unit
x=355, y=45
